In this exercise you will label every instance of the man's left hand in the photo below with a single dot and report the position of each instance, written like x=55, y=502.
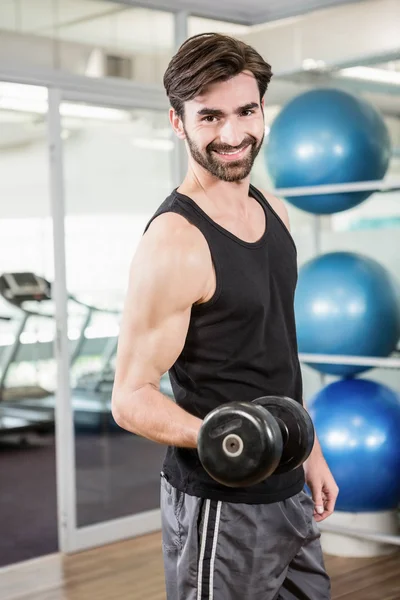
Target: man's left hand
x=321, y=483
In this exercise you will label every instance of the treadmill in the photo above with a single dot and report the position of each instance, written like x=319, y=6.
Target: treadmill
x=16, y=288
x=34, y=410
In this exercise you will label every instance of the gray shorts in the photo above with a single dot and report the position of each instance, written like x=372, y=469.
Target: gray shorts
x=224, y=551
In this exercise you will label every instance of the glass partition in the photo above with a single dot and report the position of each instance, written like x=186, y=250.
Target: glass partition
x=117, y=170
x=28, y=505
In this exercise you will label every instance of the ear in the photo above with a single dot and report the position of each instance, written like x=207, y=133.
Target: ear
x=177, y=124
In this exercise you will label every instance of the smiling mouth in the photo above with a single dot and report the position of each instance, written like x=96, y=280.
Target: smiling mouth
x=232, y=154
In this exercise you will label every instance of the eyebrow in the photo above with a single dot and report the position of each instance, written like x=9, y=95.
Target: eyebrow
x=216, y=112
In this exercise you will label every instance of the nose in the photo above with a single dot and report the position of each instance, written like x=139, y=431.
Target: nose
x=230, y=133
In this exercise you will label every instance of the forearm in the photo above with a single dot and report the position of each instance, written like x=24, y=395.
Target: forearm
x=150, y=414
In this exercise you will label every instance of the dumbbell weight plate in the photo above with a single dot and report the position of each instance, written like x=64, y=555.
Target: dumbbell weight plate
x=239, y=444
x=297, y=429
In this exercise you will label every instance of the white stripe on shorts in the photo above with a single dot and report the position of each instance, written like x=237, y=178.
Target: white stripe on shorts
x=214, y=549
x=203, y=549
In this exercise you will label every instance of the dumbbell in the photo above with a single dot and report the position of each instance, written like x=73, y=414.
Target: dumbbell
x=243, y=443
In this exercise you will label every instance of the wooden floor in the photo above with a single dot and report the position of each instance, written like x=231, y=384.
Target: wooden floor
x=133, y=570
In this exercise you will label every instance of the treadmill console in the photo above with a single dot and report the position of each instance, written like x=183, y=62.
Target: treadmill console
x=21, y=287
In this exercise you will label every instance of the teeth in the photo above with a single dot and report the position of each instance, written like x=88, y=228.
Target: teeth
x=235, y=152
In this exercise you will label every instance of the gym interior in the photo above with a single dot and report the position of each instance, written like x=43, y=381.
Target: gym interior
x=87, y=155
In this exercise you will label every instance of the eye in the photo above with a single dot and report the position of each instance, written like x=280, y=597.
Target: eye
x=248, y=112
x=209, y=119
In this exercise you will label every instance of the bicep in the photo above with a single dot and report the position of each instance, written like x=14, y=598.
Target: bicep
x=162, y=288
x=150, y=339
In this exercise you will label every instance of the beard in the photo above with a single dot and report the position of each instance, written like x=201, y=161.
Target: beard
x=231, y=171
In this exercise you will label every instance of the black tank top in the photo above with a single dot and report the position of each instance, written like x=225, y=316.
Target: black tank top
x=240, y=345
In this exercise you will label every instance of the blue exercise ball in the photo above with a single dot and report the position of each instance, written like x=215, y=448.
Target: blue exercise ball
x=357, y=422
x=346, y=304
x=327, y=136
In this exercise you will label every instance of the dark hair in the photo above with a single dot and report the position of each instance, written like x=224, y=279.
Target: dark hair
x=207, y=58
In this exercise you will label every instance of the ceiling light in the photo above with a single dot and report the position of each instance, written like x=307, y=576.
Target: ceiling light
x=370, y=74
x=33, y=99
x=153, y=144
x=85, y=111
x=310, y=64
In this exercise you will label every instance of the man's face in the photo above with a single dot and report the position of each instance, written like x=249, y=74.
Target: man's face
x=224, y=127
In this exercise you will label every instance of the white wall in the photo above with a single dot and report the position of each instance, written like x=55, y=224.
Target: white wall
x=33, y=51
x=104, y=173
x=333, y=35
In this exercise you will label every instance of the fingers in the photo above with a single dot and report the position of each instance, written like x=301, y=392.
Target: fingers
x=330, y=504
x=319, y=510
x=321, y=517
x=329, y=501
x=317, y=496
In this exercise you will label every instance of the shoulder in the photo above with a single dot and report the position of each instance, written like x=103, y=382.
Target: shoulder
x=175, y=252
x=279, y=207
x=168, y=223
x=174, y=233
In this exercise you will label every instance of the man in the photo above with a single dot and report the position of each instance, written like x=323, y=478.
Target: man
x=210, y=299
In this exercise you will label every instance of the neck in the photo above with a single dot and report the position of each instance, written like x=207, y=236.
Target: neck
x=226, y=197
